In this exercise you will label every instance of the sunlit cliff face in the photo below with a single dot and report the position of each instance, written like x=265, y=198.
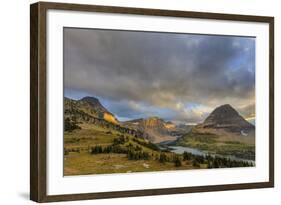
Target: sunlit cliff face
x=170, y=125
x=110, y=118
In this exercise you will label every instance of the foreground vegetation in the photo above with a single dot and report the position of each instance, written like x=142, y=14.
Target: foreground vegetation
x=91, y=149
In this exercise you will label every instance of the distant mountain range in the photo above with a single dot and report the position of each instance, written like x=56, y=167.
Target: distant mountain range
x=224, y=119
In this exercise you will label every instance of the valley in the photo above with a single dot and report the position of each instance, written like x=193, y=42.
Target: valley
x=96, y=142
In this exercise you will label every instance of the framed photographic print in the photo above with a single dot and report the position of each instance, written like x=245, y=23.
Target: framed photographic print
x=134, y=102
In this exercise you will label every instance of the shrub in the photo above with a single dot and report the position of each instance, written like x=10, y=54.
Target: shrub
x=137, y=155
x=195, y=163
x=120, y=140
x=177, y=161
x=70, y=125
x=163, y=157
x=187, y=156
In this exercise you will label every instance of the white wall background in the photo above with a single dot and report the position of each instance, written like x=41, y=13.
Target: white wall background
x=14, y=102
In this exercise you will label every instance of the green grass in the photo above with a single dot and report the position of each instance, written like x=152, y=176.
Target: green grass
x=79, y=160
x=89, y=136
x=85, y=163
x=200, y=138
x=212, y=144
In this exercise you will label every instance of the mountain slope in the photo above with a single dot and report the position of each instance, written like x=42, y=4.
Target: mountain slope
x=156, y=128
x=226, y=122
x=89, y=105
x=226, y=117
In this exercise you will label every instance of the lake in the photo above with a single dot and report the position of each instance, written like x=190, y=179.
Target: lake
x=194, y=151
x=181, y=150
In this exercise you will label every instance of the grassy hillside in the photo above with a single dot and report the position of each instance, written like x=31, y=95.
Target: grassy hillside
x=219, y=142
x=119, y=153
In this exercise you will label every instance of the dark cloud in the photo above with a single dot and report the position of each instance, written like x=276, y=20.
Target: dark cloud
x=153, y=72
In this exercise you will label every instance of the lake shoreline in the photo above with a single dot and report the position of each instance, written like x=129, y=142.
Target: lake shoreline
x=169, y=146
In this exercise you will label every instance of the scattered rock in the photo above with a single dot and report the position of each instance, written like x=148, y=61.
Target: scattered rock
x=118, y=166
x=145, y=165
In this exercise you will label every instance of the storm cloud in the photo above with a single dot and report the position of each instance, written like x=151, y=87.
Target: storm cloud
x=179, y=77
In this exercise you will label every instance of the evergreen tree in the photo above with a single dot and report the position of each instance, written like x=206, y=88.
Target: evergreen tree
x=163, y=157
x=177, y=161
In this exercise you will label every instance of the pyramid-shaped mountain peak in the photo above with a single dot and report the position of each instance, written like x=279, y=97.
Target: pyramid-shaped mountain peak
x=226, y=116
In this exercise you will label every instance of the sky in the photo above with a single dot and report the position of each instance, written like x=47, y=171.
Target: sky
x=177, y=77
